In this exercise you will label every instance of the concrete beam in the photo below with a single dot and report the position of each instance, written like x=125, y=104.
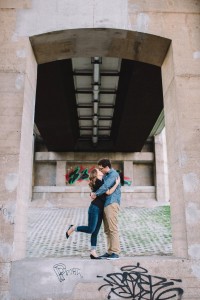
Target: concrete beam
x=106, y=42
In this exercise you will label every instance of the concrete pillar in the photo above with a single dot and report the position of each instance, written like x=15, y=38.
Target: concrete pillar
x=179, y=236
x=188, y=95
x=182, y=118
x=161, y=181
x=60, y=173
x=18, y=72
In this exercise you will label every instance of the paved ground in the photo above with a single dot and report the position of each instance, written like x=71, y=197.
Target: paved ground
x=143, y=231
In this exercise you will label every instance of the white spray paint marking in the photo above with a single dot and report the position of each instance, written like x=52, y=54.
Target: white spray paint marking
x=196, y=54
x=196, y=270
x=191, y=183
x=11, y=182
x=133, y=7
x=8, y=213
x=19, y=81
x=142, y=22
x=5, y=250
x=194, y=251
x=183, y=159
x=192, y=213
x=21, y=53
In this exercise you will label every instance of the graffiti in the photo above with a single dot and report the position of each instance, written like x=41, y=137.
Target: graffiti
x=127, y=181
x=81, y=173
x=134, y=282
x=78, y=174
x=62, y=272
x=124, y=179
x=4, y=211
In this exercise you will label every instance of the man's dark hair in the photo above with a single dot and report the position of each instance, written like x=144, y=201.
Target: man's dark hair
x=104, y=162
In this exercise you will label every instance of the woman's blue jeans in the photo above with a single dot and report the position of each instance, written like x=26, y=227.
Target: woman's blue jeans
x=95, y=217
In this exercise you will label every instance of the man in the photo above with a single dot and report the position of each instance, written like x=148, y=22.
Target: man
x=111, y=208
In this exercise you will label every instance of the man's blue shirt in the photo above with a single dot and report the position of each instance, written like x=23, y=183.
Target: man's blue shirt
x=110, y=180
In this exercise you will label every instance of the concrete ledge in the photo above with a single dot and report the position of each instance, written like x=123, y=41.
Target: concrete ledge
x=60, y=189
x=69, y=278
x=93, y=157
x=75, y=189
x=73, y=196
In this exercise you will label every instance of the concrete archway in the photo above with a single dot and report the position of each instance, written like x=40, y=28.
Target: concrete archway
x=137, y=96
x=106, y=42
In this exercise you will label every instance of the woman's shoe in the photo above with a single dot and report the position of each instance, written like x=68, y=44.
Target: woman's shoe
x=94, y=257
x=67, y=235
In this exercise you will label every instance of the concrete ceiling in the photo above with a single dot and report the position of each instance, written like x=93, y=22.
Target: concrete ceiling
x=98, y=89
x=126, y=106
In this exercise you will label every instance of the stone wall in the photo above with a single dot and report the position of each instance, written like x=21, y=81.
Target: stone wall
x=18, y=71
x=52, y=182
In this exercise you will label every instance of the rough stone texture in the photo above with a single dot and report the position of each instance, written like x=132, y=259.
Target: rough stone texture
x=15, y=3
x=4, y=278
x=143, y=174
x=60, y=173
x=17, y=96
x=45, y=174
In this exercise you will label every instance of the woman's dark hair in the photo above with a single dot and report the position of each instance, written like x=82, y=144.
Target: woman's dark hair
x=104, y=162
x=92, y=178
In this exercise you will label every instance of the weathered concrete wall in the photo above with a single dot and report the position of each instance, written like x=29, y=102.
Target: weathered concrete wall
x=53, y=169
x=18, y=71
x=78, y=279
x=45, y=173
x=177, y=21
x=50, y=185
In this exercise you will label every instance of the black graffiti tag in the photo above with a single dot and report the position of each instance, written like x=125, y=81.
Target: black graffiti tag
x=62, y=272
x=134, y=282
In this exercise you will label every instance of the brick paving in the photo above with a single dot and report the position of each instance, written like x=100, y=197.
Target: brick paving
x=143, y=231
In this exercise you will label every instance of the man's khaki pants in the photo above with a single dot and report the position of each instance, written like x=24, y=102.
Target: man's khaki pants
x=110, y=220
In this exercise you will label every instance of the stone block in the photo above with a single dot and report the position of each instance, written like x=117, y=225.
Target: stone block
x=4, y=277
x=15, y=3
x=174, y=26
x=178, y=6
x=8, y=22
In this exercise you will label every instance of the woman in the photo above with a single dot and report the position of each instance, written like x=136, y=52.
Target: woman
x=95, y=211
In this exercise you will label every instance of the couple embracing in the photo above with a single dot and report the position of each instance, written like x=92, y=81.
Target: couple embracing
x=105, y=196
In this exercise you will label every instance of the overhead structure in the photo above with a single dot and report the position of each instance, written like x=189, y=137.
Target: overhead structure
x=97, y=104
x=96, y=82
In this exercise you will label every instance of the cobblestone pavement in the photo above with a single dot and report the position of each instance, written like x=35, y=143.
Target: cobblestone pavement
x=143, y=231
